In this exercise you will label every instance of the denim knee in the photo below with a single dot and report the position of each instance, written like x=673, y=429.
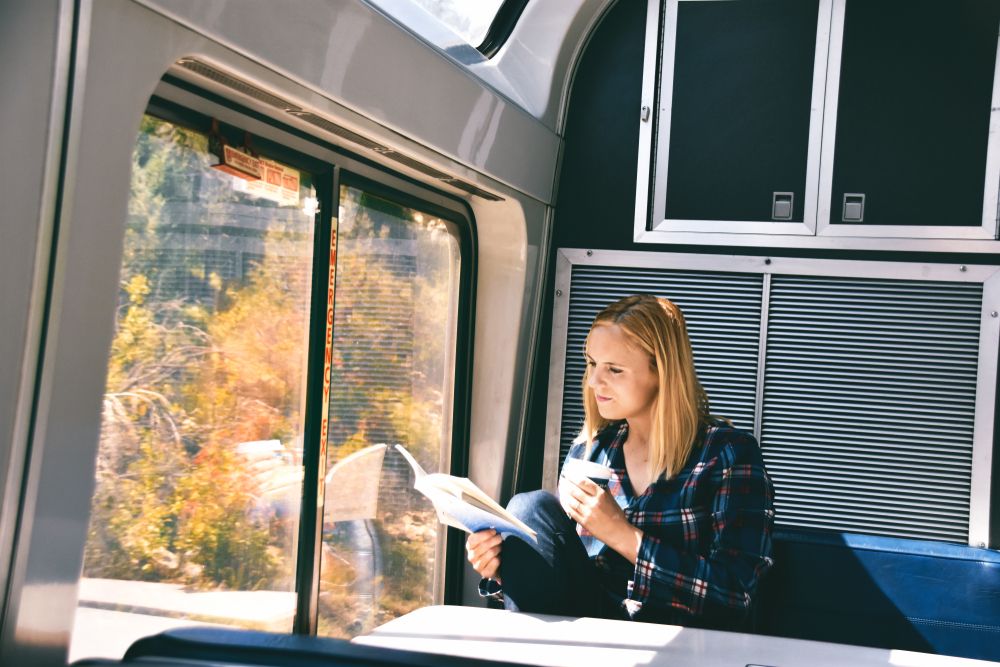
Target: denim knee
x=533, y=505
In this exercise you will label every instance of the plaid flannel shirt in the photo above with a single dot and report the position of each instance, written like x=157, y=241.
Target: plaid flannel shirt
x=706, y=532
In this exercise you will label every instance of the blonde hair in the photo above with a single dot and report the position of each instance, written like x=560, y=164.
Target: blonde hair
x=657, y=327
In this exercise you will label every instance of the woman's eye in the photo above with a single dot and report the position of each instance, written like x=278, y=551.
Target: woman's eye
x=615, y=371
x=591, y=364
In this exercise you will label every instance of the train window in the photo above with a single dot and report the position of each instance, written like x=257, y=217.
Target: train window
x=213, y=422
x=195, y=510
x=471, y=20
x=393, y=366
x=469, y=31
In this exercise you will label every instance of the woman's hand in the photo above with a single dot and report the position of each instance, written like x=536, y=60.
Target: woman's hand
x=594, y=508
x=483, y=551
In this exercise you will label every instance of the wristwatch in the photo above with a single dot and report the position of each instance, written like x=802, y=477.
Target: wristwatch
x=490, y=588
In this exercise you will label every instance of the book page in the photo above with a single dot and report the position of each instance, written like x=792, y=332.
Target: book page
x=462, y=504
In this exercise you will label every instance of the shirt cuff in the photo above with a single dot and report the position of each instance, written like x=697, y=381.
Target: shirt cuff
x=642, y=577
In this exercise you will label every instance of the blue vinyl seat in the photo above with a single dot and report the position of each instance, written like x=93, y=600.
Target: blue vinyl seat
x=883, y=592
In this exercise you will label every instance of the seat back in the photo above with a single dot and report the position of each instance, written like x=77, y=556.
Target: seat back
x=883, y=592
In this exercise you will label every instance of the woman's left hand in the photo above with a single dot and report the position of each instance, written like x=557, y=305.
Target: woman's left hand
x=594, y=508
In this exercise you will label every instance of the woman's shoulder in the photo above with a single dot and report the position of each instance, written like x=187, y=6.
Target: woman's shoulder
x=733, y=444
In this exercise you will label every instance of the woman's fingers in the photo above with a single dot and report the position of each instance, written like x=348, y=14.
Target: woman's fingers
x=582, y=489
x=483, y=551
x=475, y=539
x=582, y=501
x=584, y=495
x=489, y=569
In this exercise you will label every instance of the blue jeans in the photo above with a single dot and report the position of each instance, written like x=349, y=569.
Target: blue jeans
x=554, y=576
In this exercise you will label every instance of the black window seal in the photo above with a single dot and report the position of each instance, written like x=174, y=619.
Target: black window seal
x=501, y=27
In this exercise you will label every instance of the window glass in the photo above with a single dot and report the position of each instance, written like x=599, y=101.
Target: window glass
x=199, y=474
x=393, y=366
x=469, y=18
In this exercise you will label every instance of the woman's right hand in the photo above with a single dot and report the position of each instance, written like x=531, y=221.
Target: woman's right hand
x=483, y=551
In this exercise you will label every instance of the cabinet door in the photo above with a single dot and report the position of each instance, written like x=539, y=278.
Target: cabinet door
x=910, y=123
x=737, y=137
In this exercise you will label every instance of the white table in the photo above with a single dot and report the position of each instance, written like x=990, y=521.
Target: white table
x=536, y=639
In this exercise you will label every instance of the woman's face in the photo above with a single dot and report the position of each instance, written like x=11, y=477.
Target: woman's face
x=620, y=374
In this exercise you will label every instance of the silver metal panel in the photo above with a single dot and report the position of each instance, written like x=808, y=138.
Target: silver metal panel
x=879, y=384
x=41, y=594
x=551, y=460
x=972, y=273
x=124, y=49
x=991, y=188
x=761, y=356
x=349, y=52
x=827, y=242
x=647, y=138
x=986, y=384
x=536, y=65
x=35, y=42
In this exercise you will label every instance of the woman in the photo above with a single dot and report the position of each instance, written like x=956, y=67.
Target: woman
x=682, y=533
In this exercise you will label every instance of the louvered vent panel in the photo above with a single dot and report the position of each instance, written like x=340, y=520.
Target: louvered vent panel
x=869, y=397
x=723, y=315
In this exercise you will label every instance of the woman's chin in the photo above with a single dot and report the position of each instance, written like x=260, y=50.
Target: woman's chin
x=607, y=412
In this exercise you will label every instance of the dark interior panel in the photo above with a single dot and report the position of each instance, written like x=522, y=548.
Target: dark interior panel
x=742, y=91
x=916, y=84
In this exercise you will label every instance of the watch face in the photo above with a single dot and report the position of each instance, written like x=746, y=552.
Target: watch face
x=489, y=587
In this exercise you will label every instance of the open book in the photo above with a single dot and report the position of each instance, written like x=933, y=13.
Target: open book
x=462, y=504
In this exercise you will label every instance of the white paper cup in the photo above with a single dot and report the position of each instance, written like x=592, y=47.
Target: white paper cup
x=578, y=469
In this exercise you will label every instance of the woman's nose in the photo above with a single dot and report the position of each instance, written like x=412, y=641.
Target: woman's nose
x=592, y=378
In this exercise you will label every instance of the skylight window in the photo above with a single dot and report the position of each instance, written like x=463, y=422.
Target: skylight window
x=470, y=19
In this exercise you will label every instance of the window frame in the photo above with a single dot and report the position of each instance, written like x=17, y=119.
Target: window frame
x=445, y=37
x=230, y=117
x=177, y=101
x=501, y=27
x=449, y=574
